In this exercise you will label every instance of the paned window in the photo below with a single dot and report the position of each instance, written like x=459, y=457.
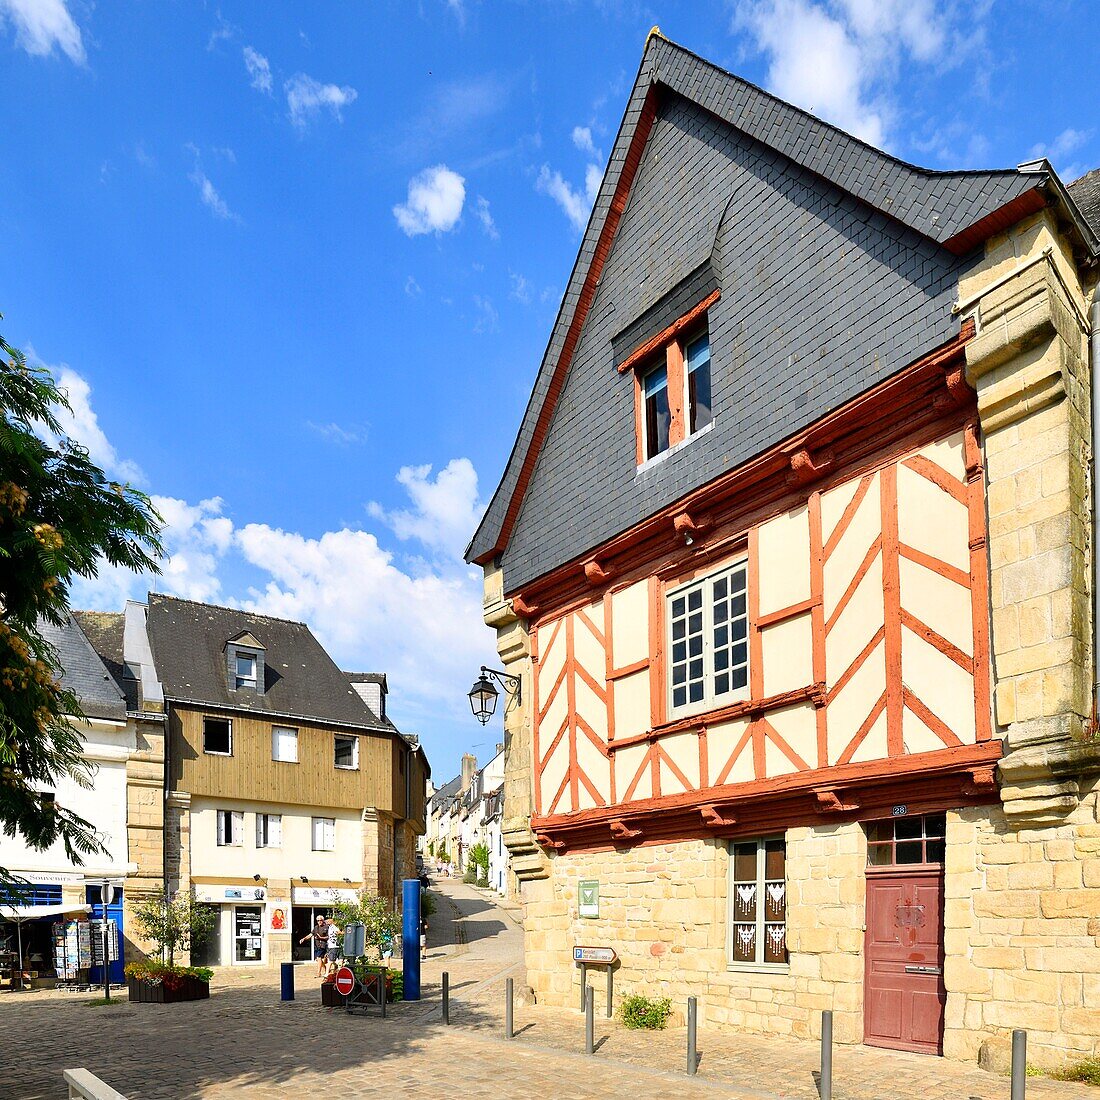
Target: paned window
x=324, y=834
x=697, y=362
x=657, y=419
x=906, y=840
x=346, y=752
x=246, y=670
x=708, y=640
x=284, y=744
x=217, y=736
x=230, y=828
x=758, y=902
x=269, y=830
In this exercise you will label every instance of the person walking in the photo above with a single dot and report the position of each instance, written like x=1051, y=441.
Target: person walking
x=319, y=935
x=333, y=941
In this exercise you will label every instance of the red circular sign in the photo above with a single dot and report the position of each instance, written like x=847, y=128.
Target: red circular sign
x=345, y=981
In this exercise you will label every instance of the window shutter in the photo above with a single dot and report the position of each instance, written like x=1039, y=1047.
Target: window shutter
x=275, y=831
x=238, y=828
x=330, y=834
x=221, y=827
x=316, y=834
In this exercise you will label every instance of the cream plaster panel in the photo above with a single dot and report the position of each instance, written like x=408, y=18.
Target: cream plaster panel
x=939, y=683
x=948, y=453
x=932, y=521
x=874, y=745
x=627, y=763
x=632, y=709
x=551, y=657
x=595, y=766
x=939, y=603
x=784, y=561
x=797, y=726
x=856, y=626
x=787, y=655
x=553, y=773
x=841, y=566
x=630, y=624
x=294, y=858
x=916, y=736
x=776, y=762
x=721, y=741
x=590, y=708
x=556, y=712
x=683, y=750
x=833, y=504
x=586, y=649
x=849, y=710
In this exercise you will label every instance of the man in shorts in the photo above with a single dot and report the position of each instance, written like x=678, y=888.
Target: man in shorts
x=334, y=934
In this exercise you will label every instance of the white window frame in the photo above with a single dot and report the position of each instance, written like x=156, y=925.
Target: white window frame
x=245, y=681
x=215, y=718
x=710, y=700
x=269, y=830
x=354, y=765
x=760, y=965
x=235, y=832
x=275, y=731
x=327, y=826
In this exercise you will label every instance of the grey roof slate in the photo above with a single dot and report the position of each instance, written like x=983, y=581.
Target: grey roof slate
x=1085, y=192
x=301, y=680
x=833, y=273
x=105, y=631
x=83, y=672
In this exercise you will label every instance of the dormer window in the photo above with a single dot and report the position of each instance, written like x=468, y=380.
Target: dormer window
x=246, y=670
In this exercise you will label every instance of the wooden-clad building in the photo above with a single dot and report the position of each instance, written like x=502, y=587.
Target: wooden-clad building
x=793, y=558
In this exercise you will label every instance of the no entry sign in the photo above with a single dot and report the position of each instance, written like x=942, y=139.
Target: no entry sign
x=345, y=981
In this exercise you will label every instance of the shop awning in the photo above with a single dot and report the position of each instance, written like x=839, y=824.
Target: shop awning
x=20, y=913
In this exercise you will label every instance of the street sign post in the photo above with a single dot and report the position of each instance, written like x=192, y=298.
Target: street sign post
x=345, y=981
x=596, y=956
x=107, y=894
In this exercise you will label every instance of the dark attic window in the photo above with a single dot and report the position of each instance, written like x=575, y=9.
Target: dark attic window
x=217, y=736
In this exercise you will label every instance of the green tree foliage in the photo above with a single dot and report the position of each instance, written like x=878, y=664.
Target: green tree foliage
x=174, y=923
x=479, y=859
x=381, y=926
x=60, y=517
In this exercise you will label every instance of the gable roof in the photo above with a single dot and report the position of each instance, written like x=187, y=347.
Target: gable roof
x=1085, y=192
x=955, y=210
x=301, y=679
x=83, y=672
x=246, y=639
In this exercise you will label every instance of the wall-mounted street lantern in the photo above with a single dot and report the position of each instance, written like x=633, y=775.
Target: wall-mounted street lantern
x=483, y=695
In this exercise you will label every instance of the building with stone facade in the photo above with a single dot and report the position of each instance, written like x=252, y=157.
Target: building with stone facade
x=123, y=746
x=286, y=786
x=793, y=558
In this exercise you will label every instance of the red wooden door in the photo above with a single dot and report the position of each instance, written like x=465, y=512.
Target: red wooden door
x=903, y=992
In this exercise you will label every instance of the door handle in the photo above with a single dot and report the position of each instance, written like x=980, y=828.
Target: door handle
x=924, y=970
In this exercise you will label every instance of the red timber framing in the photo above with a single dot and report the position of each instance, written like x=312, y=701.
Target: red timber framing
x=866, y=443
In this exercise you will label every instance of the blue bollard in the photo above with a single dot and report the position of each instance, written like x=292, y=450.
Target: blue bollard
x=287, y=980
x=410, y=939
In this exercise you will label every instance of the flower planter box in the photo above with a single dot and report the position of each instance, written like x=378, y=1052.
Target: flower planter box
x=329, y=997
x=186, y=989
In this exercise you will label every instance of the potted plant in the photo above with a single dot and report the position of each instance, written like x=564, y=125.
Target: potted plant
x=172, y=924
x=381, y=928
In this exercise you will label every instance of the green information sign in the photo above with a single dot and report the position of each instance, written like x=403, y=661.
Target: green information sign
x=590, y=898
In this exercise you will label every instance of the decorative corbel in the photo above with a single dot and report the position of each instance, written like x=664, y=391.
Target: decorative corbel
x=621, y=831
x=595, y=573
x=807, y=466
x=689, y=527
x=958, y=389
x=972, y=452
x=714, y=819
x=524, y=609
x=545, y=841
x=829, y=802
x=819, y=694
x=981, y=781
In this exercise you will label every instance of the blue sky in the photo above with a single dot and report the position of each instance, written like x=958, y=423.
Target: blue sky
x=297, y=264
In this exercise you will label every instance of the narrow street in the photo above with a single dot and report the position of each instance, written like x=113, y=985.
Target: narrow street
x=245, y=1042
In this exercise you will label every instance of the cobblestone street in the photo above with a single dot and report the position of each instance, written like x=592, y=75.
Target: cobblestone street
x=245, y=1042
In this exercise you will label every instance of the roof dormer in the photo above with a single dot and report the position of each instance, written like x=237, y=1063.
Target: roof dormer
x=245, y=663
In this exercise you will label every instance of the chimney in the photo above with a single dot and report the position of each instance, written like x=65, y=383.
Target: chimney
x=469, y=769
x=500, y=747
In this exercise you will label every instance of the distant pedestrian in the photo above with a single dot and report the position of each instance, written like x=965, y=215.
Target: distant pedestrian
x=334, y=934
x=318, y=935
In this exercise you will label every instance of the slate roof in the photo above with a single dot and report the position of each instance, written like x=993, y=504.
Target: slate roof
x=1085, y=192
x=83, y=672
x=301, y=680
x=855, y=245
x=105, y=631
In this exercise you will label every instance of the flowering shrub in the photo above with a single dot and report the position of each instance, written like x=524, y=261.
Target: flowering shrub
x=155, y=972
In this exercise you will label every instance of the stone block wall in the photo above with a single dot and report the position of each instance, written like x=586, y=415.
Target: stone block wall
x=663, y=908
x=1022, y=933
x=145, y=826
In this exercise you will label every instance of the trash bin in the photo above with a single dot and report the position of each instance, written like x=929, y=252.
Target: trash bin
x=287, y=978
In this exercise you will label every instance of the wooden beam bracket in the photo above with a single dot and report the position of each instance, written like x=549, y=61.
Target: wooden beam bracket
x=807, y=465
x=595, y=573
x=524, y=609
x=981, y=781
x=545, y=841
x=621, y=831
x=715, y=819
x=829, y=802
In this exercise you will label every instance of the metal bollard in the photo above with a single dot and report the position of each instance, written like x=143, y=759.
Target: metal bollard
x=446, y=997
x=286, y=992
x=508, y=1032
x=1019, y=1064
x=826, y=1086
x=589, y=1020
x=693, y=1058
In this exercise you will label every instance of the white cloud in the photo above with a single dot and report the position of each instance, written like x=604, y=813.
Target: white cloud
x=412, y=287
x=40, y=25
x=582, y=139
x=485, y=216
x=306, y=98
x=435, y=201
x=223, y=32
x=458, y=9
x=209, y=195
x=337, y=433
x=259, y=69
x=197, y=537
x=487, y=318
x=575, y=205
x=1060, y=151
x=521, y=288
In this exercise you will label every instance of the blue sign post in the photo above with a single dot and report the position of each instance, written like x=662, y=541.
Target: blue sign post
x=410, y=939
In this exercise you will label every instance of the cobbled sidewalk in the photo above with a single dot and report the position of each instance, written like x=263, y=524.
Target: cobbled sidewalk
x=244, y=1042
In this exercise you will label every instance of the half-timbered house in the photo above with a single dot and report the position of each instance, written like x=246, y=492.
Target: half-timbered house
x=792, y=558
